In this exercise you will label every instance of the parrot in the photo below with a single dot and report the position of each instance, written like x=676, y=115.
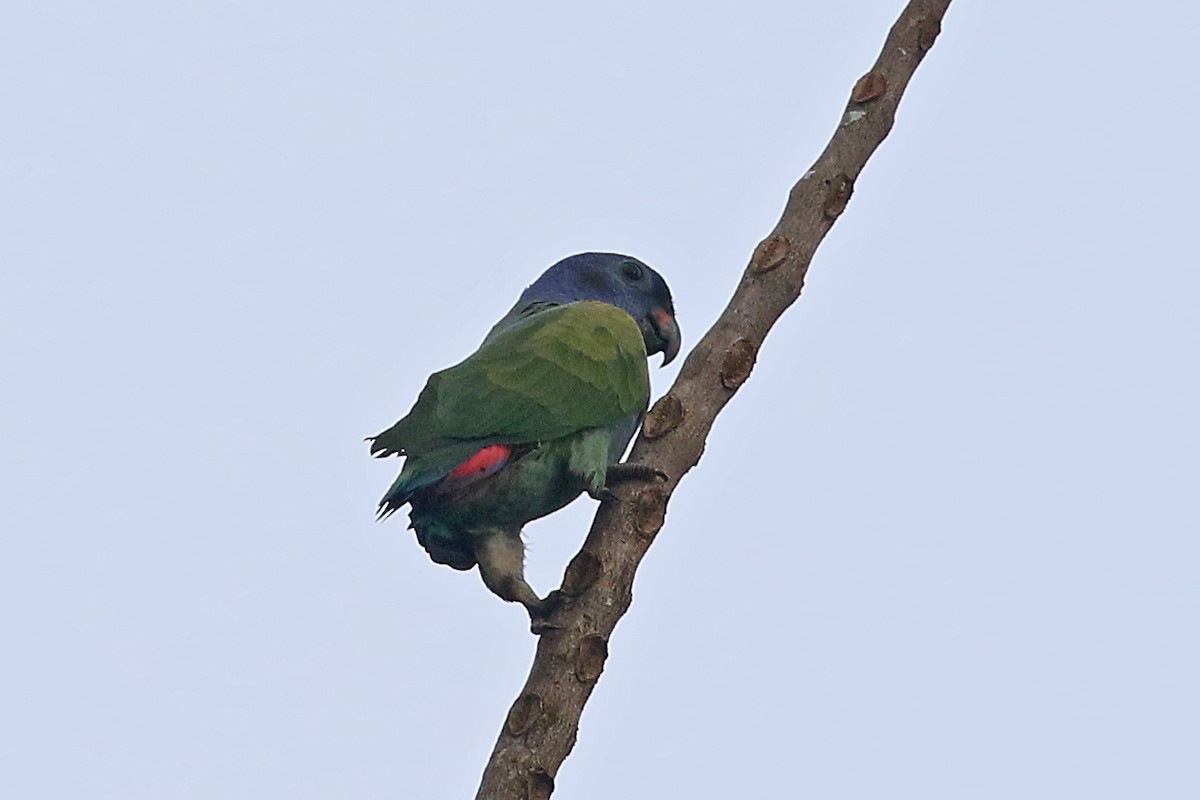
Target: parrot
x=539, y=414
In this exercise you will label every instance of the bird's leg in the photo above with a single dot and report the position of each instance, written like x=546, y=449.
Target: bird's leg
x=501, y=557
x=621, y=473
x=588, y=460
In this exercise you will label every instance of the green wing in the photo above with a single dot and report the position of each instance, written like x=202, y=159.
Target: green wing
x=563, y=370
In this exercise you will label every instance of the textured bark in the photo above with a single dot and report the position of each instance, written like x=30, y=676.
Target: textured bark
x=541, y=726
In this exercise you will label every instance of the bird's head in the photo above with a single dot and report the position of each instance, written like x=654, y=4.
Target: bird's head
x=619, y=280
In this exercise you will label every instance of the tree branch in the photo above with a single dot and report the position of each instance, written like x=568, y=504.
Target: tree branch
x=598, y=584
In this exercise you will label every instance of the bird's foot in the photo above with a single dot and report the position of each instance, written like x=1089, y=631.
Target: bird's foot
x=540, y=613
x=621, y=473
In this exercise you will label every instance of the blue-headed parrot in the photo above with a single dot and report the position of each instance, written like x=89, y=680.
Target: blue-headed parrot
x=539, y=414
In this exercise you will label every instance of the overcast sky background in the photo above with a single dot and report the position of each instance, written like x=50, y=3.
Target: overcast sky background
x=943, y=544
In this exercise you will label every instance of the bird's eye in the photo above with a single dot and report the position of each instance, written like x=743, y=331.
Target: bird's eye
x=632, y=270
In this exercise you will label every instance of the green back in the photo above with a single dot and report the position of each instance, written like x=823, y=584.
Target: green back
x=563, y=370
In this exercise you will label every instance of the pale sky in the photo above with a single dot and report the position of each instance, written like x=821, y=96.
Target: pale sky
x=942, y=545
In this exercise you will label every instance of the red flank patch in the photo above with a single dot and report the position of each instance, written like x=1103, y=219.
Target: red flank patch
x=485, y=462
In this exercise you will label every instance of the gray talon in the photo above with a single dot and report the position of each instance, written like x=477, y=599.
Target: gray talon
x=619, y=473
x=603, y=494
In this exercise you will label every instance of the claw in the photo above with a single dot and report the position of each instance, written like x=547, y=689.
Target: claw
x=603, y=494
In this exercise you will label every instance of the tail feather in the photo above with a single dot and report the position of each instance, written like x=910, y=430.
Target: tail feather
x=402, y=490
x=457, y=466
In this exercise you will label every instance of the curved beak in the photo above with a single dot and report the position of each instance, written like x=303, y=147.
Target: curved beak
x=668, y=333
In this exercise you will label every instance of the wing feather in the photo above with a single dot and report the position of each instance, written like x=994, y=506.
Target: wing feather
x=563, y=370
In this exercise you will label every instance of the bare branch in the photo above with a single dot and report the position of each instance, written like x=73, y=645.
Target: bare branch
x=598, y=584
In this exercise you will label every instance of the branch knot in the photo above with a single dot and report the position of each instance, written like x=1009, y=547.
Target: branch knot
x=650, y=512
x=663, y=418
x=738, y=363
x=589, y=661
x=869, y=87
x=523, y=714
x=770, y=253
x=840, y=189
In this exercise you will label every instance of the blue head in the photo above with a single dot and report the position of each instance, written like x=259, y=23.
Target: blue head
x=612, y=278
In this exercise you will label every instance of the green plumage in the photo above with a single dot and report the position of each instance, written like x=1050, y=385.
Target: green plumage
x=540, y=413
x=560, y=371
x=553, y=385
